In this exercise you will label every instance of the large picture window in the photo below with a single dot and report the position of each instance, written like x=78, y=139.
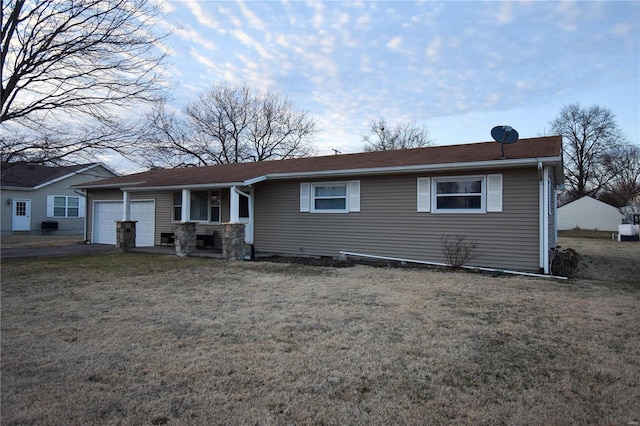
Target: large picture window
x=204, y=206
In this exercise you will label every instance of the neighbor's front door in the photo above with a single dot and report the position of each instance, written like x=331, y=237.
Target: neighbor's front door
x=21, y=214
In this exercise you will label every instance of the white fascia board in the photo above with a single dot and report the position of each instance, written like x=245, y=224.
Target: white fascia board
x=106, y=185
x=179, y=187
x=68, y=175
x=494, y=164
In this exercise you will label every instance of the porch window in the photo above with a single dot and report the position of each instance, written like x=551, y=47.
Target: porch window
x=177, y=206
x=243, y=207
x=214, y=203
x=204, y=206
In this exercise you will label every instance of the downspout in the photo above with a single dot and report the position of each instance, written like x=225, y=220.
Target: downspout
x=344, y=254
x=543, y=222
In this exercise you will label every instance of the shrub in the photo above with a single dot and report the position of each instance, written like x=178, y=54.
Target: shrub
x=457, y=250
x=564, y=262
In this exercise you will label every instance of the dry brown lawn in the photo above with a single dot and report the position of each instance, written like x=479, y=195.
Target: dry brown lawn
x=149, y=339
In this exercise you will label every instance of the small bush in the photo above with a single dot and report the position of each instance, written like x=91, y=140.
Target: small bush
x=457, y=250
x=564, y=262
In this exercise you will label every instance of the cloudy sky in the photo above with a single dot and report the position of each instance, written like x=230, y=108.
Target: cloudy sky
x=458, y=68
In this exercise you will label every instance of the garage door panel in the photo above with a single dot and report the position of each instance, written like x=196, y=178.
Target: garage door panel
x=144, y=213
x=104, y=218
x=106, y=214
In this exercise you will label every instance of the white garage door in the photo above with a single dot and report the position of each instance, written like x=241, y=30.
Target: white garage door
x=145, y=213
x=106, y=213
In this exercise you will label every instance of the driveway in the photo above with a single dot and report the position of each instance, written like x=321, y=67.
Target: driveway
x=15, y=246
x=67, y=250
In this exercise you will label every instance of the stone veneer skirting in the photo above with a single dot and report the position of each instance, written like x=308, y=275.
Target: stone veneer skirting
x=185, y=237
x=125, y=235
x=233, y=241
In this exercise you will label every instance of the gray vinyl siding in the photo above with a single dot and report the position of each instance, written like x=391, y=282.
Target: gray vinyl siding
x=388, y=223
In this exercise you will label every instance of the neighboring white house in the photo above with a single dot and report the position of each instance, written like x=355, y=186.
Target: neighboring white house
x=589, y=213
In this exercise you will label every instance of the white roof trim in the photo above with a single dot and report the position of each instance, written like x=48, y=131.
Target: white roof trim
x=494, y=164
x=68, y=175
x=177, y=187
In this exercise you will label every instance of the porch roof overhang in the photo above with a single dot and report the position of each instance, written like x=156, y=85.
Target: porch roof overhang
x=212, y=185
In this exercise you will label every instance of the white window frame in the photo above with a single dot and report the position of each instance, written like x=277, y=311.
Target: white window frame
x=313, y=197
x=351, y=197
x=51, y=207
x=482, y=194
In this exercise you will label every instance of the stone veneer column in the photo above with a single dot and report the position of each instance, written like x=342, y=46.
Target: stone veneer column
x=185, y=237
x=125, y=235
x=233, y=241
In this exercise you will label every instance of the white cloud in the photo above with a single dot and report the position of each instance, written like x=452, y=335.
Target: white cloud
x=194, y=37
x=394, y=43
x=201, y=16
x=251, y=18
x=433, y=49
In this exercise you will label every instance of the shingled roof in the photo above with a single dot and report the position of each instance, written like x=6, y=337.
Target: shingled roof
x=32, y=175
x=366, y=162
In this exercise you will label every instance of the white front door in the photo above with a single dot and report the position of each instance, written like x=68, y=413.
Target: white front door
x=21, y=214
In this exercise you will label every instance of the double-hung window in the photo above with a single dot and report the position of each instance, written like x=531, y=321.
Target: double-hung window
x=464, y=194
x=460, y=194
x=330, y=197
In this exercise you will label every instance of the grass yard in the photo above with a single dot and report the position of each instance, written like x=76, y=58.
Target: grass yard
x=149, y=340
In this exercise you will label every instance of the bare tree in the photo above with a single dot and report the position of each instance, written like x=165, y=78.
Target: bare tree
x=60, y=145
x=623, y=163
x=75, y=62
x=228, y=124
x=402, y=136
x=588, y=134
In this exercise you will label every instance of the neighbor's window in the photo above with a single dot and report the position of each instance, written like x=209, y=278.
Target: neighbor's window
x=329, y=197
x=460, y=195
x=66, y=206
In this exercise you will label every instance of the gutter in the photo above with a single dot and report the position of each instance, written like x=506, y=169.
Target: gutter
x=475, y=268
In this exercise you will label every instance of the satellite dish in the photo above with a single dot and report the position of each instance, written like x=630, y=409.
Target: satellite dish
x=504, y=135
